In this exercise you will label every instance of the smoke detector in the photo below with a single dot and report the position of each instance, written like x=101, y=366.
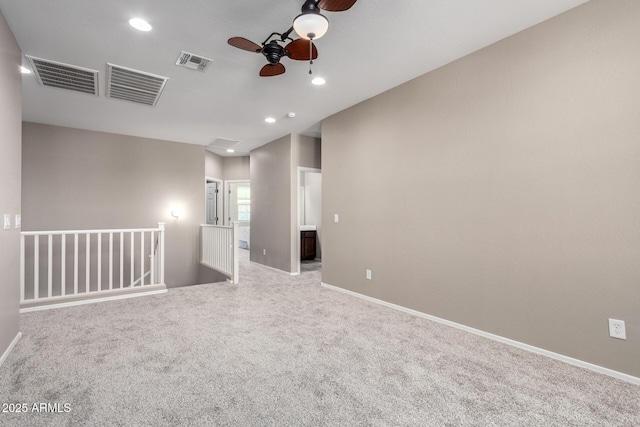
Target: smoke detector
x=193, y=62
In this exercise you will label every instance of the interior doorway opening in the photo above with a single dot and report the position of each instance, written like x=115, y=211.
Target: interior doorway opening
x=308, y=247
x=238, y=209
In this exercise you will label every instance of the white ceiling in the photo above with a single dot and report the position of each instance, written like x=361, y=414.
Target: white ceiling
x=374, y=46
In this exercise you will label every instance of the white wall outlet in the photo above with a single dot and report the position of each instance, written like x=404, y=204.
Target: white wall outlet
x=336, y=218
x=616, y=329
x=368, y=274
x=264, y=252
x=7, y=221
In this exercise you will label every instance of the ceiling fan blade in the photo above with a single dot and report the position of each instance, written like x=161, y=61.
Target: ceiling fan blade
x=272, y=70
x=299, y=50
x=244, y=44
x=336, y=5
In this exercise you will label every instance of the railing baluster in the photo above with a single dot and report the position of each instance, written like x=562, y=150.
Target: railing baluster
x=142, y=258
x=87, y=284
x=132, y=266
x=110, y=261
x=50, y=266
x=236, y=253
x=22, y=267
x=161, y=232
x=152, y=260
x=36, y=266
x=75, y=264
x=99, y=261
x=63, y=264
x=121, y=259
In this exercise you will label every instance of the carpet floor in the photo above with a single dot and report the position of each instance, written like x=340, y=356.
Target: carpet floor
x=277, y=350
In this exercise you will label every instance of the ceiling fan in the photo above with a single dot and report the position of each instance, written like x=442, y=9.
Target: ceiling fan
x=310, y=25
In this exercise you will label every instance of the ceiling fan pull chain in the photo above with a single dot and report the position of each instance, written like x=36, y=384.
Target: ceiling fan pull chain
x=310, y=54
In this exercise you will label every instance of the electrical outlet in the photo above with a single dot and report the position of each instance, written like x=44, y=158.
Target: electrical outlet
x=368, y=274
x=336, y=218
x=264, y=252
x=616, y=329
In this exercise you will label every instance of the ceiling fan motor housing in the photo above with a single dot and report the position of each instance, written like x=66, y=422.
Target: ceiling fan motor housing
x=273, y=52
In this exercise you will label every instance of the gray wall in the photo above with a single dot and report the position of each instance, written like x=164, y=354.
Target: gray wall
x=226, y=168
x=212, y=165
x=502, y=191
x=77, y=179
x=271, y=204
x=235, y=168
x=10, y=147
x=274, y=208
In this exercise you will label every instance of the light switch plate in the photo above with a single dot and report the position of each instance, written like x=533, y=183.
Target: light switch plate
x=7, y=221
x=336, y=218
x=18, y=222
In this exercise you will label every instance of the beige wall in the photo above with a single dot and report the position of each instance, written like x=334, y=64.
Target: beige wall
x=271, y=204
x=502, y=191
x=212, y=165
x=226, y=168
x=76, y=179
x=235, y=168
x=10, y=149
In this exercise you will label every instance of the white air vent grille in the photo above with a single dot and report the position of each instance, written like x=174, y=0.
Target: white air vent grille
x=135, y=86
x=223, y=143
x=194, y=62
x=64, y=76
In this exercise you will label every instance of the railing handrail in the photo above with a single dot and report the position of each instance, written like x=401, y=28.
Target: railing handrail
x=217, y=226
x=104, y=231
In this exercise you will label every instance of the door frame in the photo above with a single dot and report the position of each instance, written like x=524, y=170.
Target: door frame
x=208, y=180
x=296, y=240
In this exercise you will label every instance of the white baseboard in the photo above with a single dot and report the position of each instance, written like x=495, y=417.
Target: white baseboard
x=91, y=301
x=527, y=347
x=275, y=269
x=8, y=350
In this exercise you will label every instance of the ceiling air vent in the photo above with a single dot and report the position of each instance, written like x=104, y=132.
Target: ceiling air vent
x=64, y=76
x=194, y=62
x=223, y=143
x=135, y=86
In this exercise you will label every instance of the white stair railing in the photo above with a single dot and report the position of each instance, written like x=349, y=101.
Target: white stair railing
x=100, y=262
x=219, y=249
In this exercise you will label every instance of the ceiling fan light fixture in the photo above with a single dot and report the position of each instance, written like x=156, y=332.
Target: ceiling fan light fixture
x=311, y=25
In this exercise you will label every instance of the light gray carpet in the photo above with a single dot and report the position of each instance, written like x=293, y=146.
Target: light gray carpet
x=277, y=350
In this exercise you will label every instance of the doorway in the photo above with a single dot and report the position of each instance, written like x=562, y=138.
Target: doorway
x=308, y=241
x=238, y=209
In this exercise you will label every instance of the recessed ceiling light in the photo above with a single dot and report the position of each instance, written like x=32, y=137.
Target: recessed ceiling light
x=270, y=120
x=318, y=81
x=25, y=70
x=140, y=24
x=230, y=150
x=291, y=115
